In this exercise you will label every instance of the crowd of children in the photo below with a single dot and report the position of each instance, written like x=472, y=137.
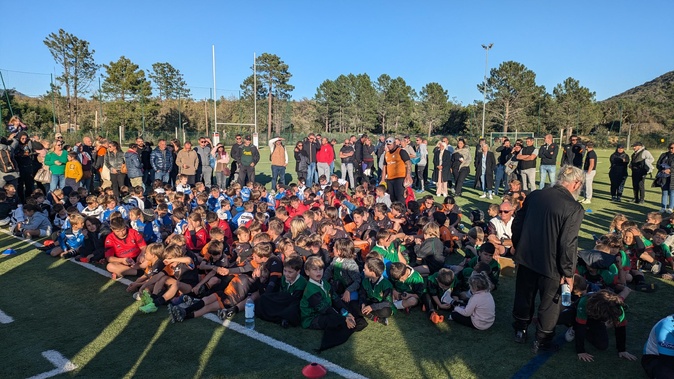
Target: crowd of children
x=321, y=257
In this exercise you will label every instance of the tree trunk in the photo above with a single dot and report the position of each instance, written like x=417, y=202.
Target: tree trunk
x=430, y=128
x=269, y=102
x=506, y=118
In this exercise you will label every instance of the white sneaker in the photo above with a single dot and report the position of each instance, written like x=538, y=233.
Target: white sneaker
x=570, y=334
x=491, y=197
x=484, y=195
x=586, y=201
x=669, y=211
x=657, y=267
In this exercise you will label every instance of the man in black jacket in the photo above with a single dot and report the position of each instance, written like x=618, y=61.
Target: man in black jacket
x=545, y=239
x=548, y=154
x=311, y=145
x=235, y=156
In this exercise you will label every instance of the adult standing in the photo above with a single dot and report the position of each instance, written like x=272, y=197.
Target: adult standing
x=573, y=152
x=346, y=155
x=145, y=153
x=367, y=164
x=101, y=171
x=421, y=169
x=527, y=158
x=545, y=238
x=462, y=155
x=358, y=157
x=249, y=158
x=161, y=160
x=617, y=172
x=114, y=160
x=641, y=164
x=235, y=157
x=548, y=154
x=187, y=161
x=301, y=161
x=86, y=154
x=486, y=165
x=502, y=157
x=311, y=147
x=324, y=157
x=397, y=171
x=665, y=168
x=442, y=162
x=478, y=151
x=221, y=165
x=174, y=148
x=23, y=153
x=205, y=170
x=379, y=150
x=333, y=142
x=134, y=166
x=279, y=161
x=590, y=169
x=56, y=160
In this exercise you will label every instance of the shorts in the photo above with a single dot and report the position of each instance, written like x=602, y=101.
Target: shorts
x=45, y=233
x=235, y=292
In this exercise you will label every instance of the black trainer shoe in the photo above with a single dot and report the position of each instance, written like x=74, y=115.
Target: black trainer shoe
x=521, y=336
x=285, y=324
x=70, y=254
x=548, y=347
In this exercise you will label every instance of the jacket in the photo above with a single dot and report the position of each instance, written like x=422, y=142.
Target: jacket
x=465, y=153
x=311, y=148
x=188, y=158
x=134, y=167
x=161, y=161
x=301, y=161
x=619, y=163
x=114, y=160
x=666, y=161
x=325, y=154
x=444, y=161
x=73, y=170
x=548, y=154
x=490, y=168
x=235, y=152
x=545, y=232
x=38, y=221
x=204, y=155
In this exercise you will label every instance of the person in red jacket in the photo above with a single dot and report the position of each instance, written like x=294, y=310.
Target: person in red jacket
x=324, y=158
x=195, y=234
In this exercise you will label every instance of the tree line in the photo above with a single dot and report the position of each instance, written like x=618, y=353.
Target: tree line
x=129, y=97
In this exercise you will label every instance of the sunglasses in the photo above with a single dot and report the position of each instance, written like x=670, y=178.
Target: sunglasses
x=504, y=211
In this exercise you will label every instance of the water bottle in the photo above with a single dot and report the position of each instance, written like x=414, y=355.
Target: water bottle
x=566, y=295
x=250, y=313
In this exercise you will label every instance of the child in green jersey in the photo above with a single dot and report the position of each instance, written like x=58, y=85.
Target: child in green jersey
x=408, y=285
x=284, y=306
x=376, y=292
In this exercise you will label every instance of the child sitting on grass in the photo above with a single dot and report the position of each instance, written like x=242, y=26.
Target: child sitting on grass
x=408, y=286
x=480, y=312
x=70, y=240
x=322, y=310
x=284, y=306
x=124, y=249
x=438, y=296
x=429, y=252
x=486, y=255
x=143, y=287
x=180, y=276
x=36, y=224
x=343, y=273
x=376, y=292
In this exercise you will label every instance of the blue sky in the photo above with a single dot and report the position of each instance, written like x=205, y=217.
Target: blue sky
x=609, y=46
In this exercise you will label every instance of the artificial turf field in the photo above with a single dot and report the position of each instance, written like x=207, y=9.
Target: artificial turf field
x=58, y=305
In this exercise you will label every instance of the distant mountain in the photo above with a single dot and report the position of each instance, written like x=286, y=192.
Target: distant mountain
x=13, y=92
x=651, y=102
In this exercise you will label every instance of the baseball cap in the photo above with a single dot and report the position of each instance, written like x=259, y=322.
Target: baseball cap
x=390, y=141
x=58, y=135
x=247, y=138
x=638, y=143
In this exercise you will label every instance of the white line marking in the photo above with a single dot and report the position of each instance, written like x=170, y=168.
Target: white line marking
x=31, y=242
x=4, y=318
x=276, y=344
x=62, y=365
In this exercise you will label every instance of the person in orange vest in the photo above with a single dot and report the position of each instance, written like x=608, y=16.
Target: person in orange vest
x=397, y=172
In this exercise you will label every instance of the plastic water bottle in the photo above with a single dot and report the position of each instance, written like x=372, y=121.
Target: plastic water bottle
x=250, y=313
x=566, y=295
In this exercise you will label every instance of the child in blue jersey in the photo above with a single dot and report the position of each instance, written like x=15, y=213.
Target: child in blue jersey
x=179, y=218
x=182, y=185
x=111, y=207
x=658, y=357
x=136, y=220
x=215, y=199
x=71, y=239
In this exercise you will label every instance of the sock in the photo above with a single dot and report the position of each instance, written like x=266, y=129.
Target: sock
x=195, y=306
x=398, y=304
x=159, y=301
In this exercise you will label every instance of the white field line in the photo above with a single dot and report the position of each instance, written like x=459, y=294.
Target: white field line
x=276, y=344
x=62, y=365
x=5, y=319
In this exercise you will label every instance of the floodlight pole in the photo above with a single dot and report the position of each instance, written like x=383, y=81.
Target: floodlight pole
x=484, y=85
x=215, y=97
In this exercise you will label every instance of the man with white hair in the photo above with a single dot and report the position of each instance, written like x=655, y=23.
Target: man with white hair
x=545, y=240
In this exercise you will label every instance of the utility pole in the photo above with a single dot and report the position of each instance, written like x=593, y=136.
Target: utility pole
x=484, y=84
